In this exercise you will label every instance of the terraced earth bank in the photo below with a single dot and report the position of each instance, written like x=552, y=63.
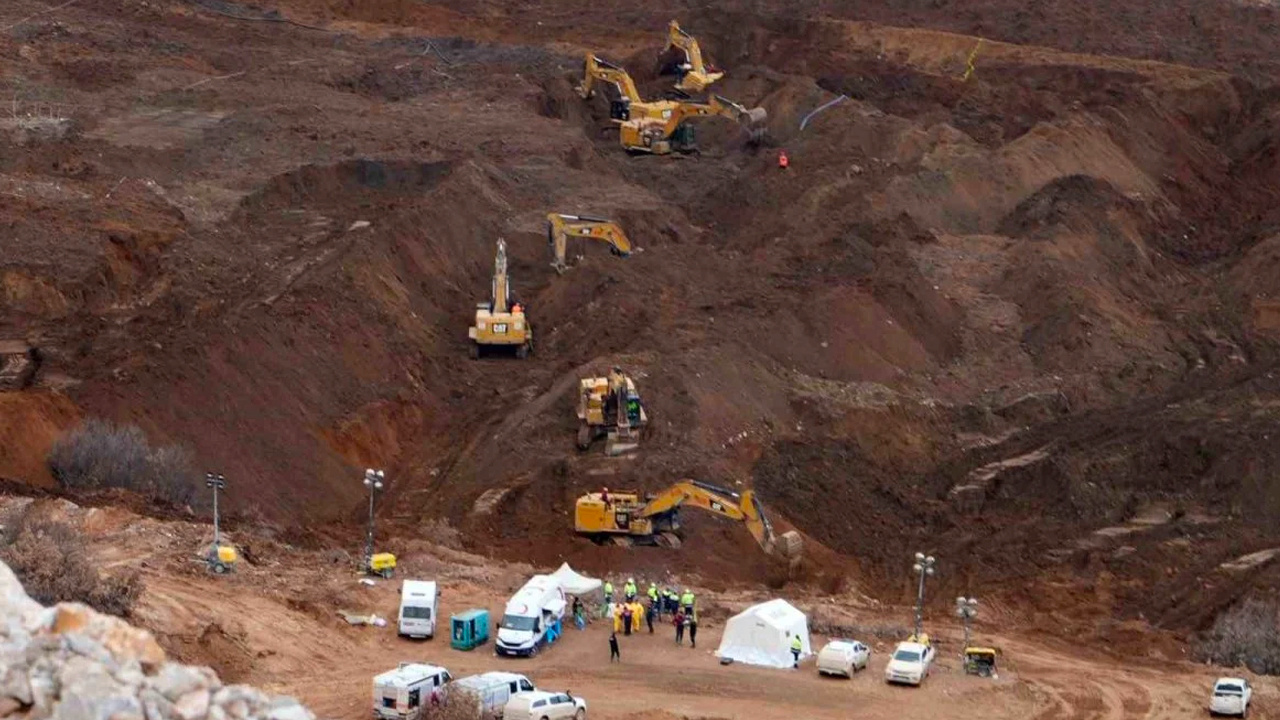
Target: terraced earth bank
x=1025, y=321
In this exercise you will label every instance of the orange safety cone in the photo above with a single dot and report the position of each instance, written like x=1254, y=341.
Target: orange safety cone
x=783, y=162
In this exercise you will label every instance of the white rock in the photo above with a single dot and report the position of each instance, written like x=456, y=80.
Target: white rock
x=155, y=705
x=13, y=599
x=192, y=706
x=174, y=680
x=288, y=709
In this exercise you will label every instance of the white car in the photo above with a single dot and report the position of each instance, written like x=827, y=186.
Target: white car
x=843, y=657
x=909, y=664
x=541, y=705
x=1231, y=696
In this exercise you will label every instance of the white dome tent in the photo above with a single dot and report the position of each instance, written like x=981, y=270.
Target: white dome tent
x=761, y=635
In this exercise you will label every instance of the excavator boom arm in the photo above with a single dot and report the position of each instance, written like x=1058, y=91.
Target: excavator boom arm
x=683, y=41
x=700, y=495
x=596, y=69
x=501, y=289
x=561, y=226
x=717, y=105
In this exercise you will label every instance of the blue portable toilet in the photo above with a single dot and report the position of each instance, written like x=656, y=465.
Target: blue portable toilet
x=469, y=630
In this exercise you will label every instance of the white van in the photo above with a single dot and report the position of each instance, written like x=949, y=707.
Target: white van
x=491, y=691
x=529, y=616
x=418, y=600
x=401, y=694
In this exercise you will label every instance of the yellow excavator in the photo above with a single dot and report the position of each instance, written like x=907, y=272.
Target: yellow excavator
x=610, y=406
x=627, y=518
x=675, y=133
x=694, y=75
x=628, y=103
x=561, y=226
x=501, y=322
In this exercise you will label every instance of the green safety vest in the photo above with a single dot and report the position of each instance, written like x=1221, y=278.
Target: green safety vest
x=608, y=588
x=796, y=645
x=686, y=599
x=653, y=593
x=631, y=588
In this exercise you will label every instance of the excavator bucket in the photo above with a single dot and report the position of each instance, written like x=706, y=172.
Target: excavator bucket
x=756, y=116
x=790, y=547
x=617, y=443
x=754, y=121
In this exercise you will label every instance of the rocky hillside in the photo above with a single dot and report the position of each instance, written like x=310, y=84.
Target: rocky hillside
x=72, y=663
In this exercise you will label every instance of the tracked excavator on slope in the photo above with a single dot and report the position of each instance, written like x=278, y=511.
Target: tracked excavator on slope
x=501, y=322
x=675, y=133
x=561, y=227
x=694, y=75
x=628, y=104
x=610, y=406
x=626, y=518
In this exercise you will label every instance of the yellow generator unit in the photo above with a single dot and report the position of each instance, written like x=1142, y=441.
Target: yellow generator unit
x=383, y=564
x=222, y=559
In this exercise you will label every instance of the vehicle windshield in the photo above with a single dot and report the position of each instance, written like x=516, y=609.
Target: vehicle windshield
x=416, y=613
x=907, y=656
x=518, y=622
x=1228, y=690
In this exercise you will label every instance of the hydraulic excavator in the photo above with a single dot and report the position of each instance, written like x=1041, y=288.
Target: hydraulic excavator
x=675, y=133
x=694, y=75
x=561, y=226
x=628, y=104
x=610, y=406
x=501, y=322
x=627, y=518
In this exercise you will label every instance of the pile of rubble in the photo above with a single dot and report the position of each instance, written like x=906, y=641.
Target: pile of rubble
x=71, y=663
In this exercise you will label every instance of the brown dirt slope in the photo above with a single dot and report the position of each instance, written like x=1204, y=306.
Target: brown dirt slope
x=265, y=239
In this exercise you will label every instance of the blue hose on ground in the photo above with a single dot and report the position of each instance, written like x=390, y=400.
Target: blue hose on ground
x=820, y=108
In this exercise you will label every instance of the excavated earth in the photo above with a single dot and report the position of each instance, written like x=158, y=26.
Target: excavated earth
x=1025, y=321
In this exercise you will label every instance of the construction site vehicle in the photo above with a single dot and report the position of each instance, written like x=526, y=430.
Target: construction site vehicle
x=627, y=104
x=610, y=406
x=694, y=75
x=382, y=564
x=500, y=322
x=560, y=227
x=675, y=133
x=625, y=518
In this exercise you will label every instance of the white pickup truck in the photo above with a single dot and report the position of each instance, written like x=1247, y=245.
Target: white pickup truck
x=909, y=664
x=1231, y=696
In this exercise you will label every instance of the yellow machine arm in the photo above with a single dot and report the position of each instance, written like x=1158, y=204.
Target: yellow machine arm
x=501, y=283
x=596, y=69
x=560, y=227
x=743, y=508
x=658, y=136
x=695, y=77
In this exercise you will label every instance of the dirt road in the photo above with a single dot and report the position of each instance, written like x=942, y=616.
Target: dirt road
x=330, y=665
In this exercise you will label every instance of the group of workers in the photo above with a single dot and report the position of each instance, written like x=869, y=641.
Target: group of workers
x=629, y=615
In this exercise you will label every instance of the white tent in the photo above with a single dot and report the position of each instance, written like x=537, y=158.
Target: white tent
x=575, y=584
x=761, y=635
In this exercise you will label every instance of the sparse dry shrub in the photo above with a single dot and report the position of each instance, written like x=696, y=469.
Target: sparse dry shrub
x=1247, y=634
x=52, y=562
x=99, y=454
